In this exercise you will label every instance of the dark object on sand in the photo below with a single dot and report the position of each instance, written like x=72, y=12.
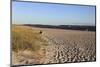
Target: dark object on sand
x=40, y=32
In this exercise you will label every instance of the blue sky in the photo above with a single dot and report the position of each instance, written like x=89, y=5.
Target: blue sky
x=52, y=14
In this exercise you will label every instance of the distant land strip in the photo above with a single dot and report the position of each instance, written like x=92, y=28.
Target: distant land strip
x=66, y=27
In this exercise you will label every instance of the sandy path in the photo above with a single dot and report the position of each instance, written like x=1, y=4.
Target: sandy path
x=69, y=45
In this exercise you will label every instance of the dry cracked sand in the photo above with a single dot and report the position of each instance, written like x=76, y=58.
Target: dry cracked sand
x=67, y=46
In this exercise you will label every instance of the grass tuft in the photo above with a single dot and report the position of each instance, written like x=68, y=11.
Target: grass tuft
x=25, y=38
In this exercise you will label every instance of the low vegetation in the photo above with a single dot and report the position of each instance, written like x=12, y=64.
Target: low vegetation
x=27, y=45
x=25, y=38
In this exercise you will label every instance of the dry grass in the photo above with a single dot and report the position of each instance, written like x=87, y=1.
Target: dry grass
x=26, y=38
x=27, y=45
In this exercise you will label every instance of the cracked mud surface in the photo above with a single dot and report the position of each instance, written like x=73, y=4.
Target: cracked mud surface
x=69, y=46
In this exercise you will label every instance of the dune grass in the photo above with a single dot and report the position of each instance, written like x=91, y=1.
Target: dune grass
x=25, y=38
